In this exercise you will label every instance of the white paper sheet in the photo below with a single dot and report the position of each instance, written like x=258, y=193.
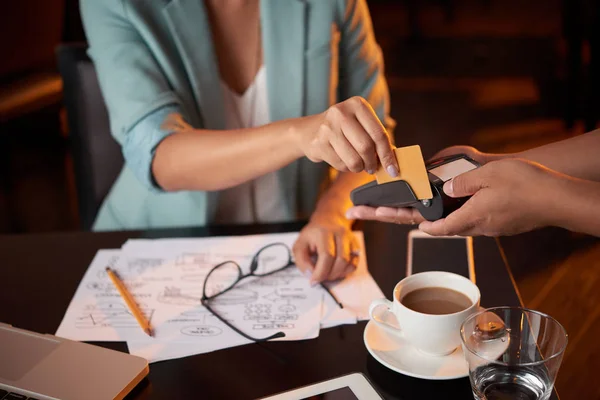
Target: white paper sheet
x=169, y=290
x=356, y=292
x=155, y=351
x=166, y=278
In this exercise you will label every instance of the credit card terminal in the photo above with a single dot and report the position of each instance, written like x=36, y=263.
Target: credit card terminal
x=399, y=194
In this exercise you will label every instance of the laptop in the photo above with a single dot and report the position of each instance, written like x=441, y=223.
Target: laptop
x=46, y=367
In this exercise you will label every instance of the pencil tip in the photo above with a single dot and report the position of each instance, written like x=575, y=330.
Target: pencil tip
x=150, y=332
x=107, y=268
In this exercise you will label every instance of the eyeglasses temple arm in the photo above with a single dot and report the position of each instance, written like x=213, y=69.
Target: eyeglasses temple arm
x=223, y=320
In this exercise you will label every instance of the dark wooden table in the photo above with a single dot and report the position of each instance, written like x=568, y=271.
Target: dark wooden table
x=40, y=273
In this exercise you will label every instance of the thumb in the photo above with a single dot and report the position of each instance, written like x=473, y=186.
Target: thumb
x=465, y=184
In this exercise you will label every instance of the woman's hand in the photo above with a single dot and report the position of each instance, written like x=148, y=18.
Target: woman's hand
x=349, y=137
x=326, y=249
x=508, y=197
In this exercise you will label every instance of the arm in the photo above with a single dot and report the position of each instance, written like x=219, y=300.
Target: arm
x=232, y=157
x=579, y=211
x=166, y=142
x=184, y=158
x=578, y=156
x=237, y=156
x=361, y=71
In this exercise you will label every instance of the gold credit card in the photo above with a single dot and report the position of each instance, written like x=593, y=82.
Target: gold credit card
x=412, y=170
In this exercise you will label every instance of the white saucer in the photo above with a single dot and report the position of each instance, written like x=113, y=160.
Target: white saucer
x=393, y=352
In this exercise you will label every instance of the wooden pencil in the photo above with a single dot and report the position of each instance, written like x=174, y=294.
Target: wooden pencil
x=133, y=306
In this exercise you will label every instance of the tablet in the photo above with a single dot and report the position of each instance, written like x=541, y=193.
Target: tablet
x=347, y=387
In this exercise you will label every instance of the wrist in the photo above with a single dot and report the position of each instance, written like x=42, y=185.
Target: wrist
x=292, y=135
x=334, y=203
x=559, y=193
x=524, y=155
x=297, y=130
x=575, y=205
x=488, y=157
x=329, y=212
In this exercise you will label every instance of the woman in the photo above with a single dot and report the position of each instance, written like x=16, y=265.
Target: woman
x=553, y=185
x=226, y=108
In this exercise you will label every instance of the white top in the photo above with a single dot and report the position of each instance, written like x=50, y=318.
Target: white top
x=258, y=200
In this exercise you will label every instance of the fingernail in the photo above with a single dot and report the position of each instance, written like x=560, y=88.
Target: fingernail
x=385, y=212
x=350, y=214
x=392, y=171
x=370, y=172
x=449, y=187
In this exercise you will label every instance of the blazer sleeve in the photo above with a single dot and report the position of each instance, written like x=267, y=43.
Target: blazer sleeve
x=136, y=92
x=361, y=65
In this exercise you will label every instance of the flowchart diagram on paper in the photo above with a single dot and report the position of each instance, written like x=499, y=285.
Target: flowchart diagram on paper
x=166, y=278
x=169, y=292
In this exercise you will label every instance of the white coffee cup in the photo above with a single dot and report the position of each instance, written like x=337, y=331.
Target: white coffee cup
x=434, y=334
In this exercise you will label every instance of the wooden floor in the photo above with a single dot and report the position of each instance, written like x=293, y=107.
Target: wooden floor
x=490, y=77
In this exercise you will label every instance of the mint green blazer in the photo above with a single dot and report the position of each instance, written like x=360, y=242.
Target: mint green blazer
x=153, y=53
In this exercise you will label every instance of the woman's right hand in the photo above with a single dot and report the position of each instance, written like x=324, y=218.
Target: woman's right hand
x=349, y=137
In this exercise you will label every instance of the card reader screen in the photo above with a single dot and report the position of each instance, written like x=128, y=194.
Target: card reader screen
x=448, y=171
x=344, y=393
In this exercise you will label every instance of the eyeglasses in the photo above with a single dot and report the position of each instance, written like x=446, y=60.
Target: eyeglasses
x=224, y=277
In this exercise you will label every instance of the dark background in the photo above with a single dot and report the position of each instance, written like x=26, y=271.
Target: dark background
x=502, y=75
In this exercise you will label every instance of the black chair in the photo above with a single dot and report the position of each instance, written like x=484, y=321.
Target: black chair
x=97, y=157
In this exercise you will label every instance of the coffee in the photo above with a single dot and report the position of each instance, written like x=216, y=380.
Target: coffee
x=436, y=300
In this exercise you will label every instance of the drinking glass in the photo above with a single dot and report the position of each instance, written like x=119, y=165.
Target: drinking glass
x=513, y=353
